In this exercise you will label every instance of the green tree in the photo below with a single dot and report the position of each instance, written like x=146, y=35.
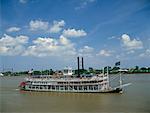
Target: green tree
x=51, y=72
x=143, y=69
x=37, y=72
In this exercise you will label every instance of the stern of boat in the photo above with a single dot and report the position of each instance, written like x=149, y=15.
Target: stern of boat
x=22, y=85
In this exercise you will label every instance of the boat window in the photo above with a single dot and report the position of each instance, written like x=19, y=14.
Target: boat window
x=60, y=82
x=93, y=81
x=65, y=71
x=96, y=87
x=75, y=82
x=75, y=87
x=91, y=87
x=85, y=87
x=100, y=80
x=86, y=82
x=70, y=88
x=57, y=87
x=49, y=87
x=70, y=71
x=66, y=88
x=53, y=87
x=80, y=87
x=45, y=87
x=83, y=82
x=61, y=88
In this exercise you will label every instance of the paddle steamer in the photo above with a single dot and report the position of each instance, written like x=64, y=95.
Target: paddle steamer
x=69, y=82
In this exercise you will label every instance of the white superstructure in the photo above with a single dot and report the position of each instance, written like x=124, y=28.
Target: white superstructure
x=67, y=71
x=1, y=74
x=96, y=83
x=69, y=82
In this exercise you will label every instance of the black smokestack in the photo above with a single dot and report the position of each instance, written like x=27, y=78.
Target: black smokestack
x=78, y=67
x=82, y=64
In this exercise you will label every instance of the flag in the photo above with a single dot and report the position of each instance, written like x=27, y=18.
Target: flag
x=117, y=63
x=31, y=71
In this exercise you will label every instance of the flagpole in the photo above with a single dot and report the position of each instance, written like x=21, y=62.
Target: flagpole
x=120, y=81
x=107, y=77
x=120, y=78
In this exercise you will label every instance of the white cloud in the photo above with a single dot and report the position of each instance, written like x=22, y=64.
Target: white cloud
x=13, y=29
x=45, y=41
x=146, y=53
x=86, y=51
x=112, y=37
x=74, y=33
x=131, y=52
x=131, y=44
x=64, y=40
x=50, y=47
x=12, y=45
x=118, y=56
x=106, y=53
x=84, y=3
x=38, y=25
x=43, y=46
x=23, y=1
x=57, y=26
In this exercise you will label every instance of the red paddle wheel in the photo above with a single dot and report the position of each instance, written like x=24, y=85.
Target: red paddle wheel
x=22, y=85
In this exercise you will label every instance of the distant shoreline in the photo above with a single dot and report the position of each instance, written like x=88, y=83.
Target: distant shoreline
x=130, y=73
x=110, y=74
x=140, y=73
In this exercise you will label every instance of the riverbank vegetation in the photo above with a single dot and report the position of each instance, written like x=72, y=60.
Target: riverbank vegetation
x=90, y=70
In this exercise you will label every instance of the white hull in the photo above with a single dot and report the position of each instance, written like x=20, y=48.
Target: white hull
x=96, y=84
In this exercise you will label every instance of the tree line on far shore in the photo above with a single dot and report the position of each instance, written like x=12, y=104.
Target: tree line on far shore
x=90, y=70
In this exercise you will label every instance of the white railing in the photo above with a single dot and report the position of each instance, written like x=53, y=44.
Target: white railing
x=66, y=79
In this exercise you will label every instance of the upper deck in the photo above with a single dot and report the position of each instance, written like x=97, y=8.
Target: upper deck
x=64, y=79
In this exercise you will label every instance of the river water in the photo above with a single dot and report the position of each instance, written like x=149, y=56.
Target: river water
x=135, y=98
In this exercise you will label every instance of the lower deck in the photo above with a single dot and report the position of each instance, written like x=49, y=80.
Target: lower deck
x=67, y=88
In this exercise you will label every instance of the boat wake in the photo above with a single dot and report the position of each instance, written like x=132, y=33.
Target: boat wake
x=124, y=85
x=16, y=89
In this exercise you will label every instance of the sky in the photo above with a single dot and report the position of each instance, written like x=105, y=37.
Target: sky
x=45, y=34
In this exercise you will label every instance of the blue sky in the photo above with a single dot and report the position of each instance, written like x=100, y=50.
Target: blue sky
x=44, y=34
